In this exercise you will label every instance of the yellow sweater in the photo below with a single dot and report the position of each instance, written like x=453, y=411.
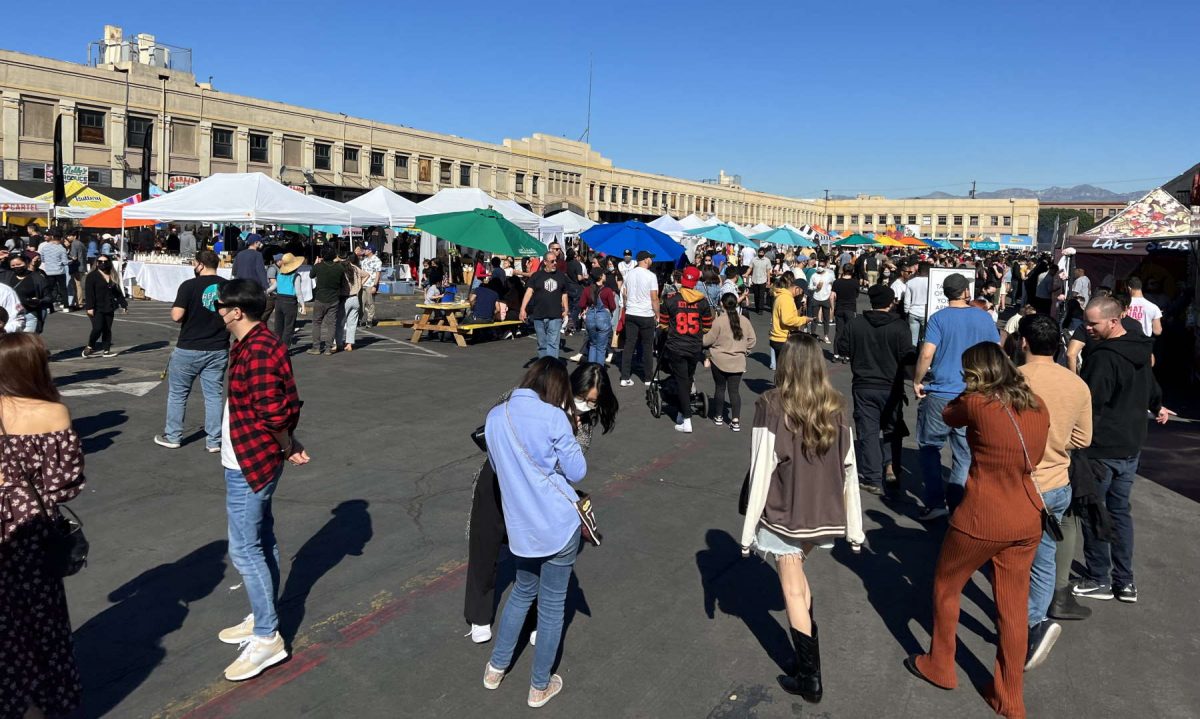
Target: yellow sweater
x=784, y=317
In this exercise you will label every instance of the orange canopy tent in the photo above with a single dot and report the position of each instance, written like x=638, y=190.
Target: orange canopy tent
x=113, y=218
x=911, y=242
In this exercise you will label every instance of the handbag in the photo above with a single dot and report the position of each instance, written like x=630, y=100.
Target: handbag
x=479, y=438
x=583, y=506
x=67, y=549
x=1050, y=523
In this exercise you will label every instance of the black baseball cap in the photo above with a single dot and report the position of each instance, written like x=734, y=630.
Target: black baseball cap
x=954, y=286
x=881, y=296
x=644, y=255
x=629, y=253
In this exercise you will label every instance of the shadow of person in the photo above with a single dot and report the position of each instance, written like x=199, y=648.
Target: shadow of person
x=746, y=588
x=91, y=430
x=346, y=534
x=87, y=375
x=118, y=648
x=759, y=386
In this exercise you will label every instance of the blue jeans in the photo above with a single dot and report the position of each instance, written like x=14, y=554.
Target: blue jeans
x=32, y=320
x=1101, y=558
x=599, y=328
x=252, y=547
x=547, y=331
x=544, y=579
x=184, y=367
x=932, y=434
x=1041, y=577
x=915, y=325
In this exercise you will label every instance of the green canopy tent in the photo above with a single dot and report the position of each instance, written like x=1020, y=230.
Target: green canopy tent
x=855, y=240
x=723, y=234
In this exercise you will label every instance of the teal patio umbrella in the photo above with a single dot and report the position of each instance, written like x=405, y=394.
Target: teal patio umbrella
x=854, y=240
x=783, y=236
x=724, y=234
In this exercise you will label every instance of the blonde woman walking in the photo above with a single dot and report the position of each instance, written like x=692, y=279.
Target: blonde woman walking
x=802, y=490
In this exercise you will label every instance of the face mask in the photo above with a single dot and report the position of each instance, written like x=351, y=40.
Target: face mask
x=583, y=405
x=103, y=265
x=21, y=271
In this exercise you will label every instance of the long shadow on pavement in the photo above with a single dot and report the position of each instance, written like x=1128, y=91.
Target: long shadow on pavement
x=87, y=375
x=346, y=534
x=118, y=648
x=746, y=588
x=91, y=430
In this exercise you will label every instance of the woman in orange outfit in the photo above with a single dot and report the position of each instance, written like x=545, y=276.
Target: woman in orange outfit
x=999, y=520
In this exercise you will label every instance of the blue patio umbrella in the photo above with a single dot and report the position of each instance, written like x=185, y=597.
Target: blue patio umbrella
x=723, y=233
x=616, y=237
x=783, y=236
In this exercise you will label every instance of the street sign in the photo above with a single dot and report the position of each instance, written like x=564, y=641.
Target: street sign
x=937, y=296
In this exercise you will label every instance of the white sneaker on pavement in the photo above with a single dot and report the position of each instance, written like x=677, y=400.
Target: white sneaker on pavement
x=685, y=426
x=626, y=383
x=239, y=632
x=481, y=633
x=258, y=653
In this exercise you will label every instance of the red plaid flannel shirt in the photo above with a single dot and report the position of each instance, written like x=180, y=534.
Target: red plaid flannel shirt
x=263, y=402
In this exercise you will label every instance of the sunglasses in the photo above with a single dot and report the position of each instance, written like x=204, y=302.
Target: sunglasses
x=225, y=306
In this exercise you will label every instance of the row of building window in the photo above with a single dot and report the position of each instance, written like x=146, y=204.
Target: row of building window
x=614, y=194
x=944, y=220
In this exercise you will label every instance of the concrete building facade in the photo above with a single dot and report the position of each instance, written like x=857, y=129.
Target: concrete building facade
x=938, y=218
x=1098, y=210
x=107, y=108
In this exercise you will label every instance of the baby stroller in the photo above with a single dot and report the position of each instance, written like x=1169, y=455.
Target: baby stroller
x=661, y=387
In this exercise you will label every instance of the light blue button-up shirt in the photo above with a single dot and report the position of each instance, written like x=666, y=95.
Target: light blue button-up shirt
x=539, y=518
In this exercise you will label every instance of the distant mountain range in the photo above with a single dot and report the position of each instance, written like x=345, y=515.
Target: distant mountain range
x=1078, y=193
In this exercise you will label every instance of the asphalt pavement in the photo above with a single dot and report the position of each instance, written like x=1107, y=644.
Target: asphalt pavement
x=665, y=620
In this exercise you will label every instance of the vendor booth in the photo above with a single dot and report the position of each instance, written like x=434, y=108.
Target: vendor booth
x=399, y=210
x=82, y=201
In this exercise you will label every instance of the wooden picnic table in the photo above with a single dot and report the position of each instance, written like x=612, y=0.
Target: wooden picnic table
x=448, y=322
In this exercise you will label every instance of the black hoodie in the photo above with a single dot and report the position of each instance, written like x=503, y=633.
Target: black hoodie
x=878, y=344
x=1123, y=387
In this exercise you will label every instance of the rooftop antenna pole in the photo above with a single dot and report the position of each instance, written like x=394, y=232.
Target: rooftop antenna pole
x=972, y=189
x=587, y=131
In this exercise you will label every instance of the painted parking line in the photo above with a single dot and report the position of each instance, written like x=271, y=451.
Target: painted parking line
x=401, y=343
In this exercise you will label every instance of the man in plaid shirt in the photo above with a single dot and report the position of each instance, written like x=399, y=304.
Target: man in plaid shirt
x=262, y=410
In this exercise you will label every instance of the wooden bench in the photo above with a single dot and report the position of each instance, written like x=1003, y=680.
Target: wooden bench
x=471, y=329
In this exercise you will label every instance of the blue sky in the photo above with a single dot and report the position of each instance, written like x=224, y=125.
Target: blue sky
x=882, y=97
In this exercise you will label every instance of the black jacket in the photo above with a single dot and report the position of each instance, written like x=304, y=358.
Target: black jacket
x=102, y=296
x=33, y=290
x=878, y=344
x=1123, y=388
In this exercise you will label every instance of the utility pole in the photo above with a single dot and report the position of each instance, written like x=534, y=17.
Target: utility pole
x=972, y=189
x=827, y=223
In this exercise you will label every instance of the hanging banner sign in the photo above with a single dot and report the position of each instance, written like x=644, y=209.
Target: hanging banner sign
x=79, y=173
x=178, y=182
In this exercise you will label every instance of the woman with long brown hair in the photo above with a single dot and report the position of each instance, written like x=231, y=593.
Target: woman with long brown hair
x=998, y=521
x=802, y=490
x=41, y=466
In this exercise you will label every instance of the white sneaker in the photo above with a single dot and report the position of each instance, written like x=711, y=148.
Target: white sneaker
x=258, y=653
x=539, y=697
x=626, y=383
x=238, y=633
x=577, y=357
x=481, y=633
x=685, y=426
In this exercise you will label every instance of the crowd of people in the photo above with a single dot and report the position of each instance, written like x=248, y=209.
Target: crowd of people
x=1044, y=437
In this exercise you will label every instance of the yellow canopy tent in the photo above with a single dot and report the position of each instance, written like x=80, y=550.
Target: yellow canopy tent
x=82, y=201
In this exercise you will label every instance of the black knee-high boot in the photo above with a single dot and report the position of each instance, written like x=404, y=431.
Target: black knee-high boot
x=806, y=682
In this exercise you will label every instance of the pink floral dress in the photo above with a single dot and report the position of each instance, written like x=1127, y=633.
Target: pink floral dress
x=37, y=665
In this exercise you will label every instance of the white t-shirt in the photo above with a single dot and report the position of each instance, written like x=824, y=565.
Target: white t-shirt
x=12, y=304
x=748, y=254
x=1145, y=312
x=228, y=458
x=625, y=266
x=898, y=287
x=916, y=296
x=639, y=283
x=822, y=284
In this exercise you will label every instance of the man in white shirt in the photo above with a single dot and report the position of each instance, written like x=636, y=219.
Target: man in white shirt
x=747, y=256
x=12, y=305
x=904, y=272
x=627, y=264
x=639, y=299
x=822, y=290
x=916, y=297
x=1142, y=309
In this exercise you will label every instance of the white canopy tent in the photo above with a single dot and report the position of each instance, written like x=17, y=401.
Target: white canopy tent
x=11, y=202
x=694, y=222
x=667, y=224
x=239, y=197
x=399, y=210
x=355, y=216
x=572, y=223
x=760, y=227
